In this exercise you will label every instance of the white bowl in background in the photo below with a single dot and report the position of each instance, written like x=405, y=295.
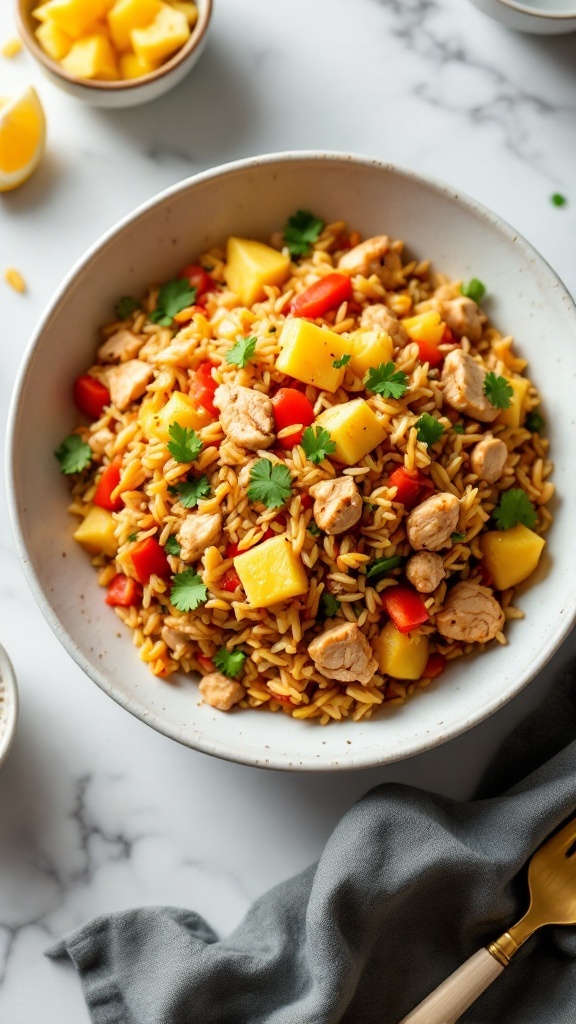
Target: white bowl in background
x=543, y=17
x=8, y=704
x=253, y=198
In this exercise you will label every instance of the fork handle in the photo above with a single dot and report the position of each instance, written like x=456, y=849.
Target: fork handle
x=447, y=1002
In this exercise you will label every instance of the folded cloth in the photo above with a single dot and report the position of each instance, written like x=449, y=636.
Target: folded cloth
x=410, y=884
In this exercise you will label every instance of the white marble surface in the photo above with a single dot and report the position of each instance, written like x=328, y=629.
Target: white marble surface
x=97, y=812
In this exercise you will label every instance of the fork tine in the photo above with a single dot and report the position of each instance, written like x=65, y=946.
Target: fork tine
x=563, y=839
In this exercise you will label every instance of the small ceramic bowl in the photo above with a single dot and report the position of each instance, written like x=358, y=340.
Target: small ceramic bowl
x=543, y=17
x=8, y=704
x=117, y=94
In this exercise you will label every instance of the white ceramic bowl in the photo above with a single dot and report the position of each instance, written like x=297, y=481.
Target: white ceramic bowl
x=8, y=704
x=253, y=198
x=542, y=17
x=118, y=94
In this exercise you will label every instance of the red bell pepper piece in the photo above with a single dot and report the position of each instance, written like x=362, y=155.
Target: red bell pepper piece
x=291, y=406
x=206, y=662
x=282, y=698
x=149, y=559
x=306, y=501
x=123, y=592
x=448, y=336
x=434, y=666
x=232, y=550
x=202, y=388
x=107, y=483
x=412, y=486
x=405, y=607
x=198, y=277
x=429, y=353
x=90, y=395
x=230, y=581
x=325, y=294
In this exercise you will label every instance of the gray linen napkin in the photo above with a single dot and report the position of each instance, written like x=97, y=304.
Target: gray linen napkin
x=409, y=885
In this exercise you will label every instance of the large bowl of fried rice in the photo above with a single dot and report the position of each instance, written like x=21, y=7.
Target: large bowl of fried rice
x=313, y=424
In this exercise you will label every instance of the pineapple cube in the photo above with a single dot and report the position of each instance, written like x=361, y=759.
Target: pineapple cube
x=53, y=40
x=74, y=17
x=132, y=67
x=91, y=57
x=42, y=12
x=250, y=266
x=126, y=15
x=189, y=9
x=271, y=572
x=159, y=40
x=425, y=327
x=369, y=348
x=308, y=353
x=180, y=409
x=96, y=532
x=511, y=556
x=354, y=428
x=401, y=655
x=515, y=414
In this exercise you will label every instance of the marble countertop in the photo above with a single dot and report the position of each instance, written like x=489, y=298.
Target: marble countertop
x=98, y=812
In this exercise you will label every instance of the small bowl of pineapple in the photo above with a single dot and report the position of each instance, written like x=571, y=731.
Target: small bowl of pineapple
x=115, y=53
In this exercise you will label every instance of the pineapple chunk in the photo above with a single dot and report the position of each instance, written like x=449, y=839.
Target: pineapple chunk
x=308, y=353
x=515, y=414
x=511, y=556
x=159, y=40
x=132, y=67
x=189, y=9
x=425, y=327
x=271, y=572
x=369, y=348
x=401, y=655
x=53, y=40
x=91, y=57
x=250, y=266
x=180, y=409
x=126, y=15
x=74, y=17
x=96, y=532
x=354, y=428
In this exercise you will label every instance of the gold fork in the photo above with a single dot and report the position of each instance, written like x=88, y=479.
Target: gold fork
x=552, y=885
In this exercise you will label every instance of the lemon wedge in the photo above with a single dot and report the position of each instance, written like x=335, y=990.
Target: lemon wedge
x=22, y=138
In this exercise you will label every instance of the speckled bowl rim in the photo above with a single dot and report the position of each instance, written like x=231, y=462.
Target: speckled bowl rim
x=8, y=680
x=217, y=748
x=197, y=35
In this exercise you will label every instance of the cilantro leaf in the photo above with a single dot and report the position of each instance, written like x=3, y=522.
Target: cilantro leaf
x=172, y=298
x=74, y=454
x=329, y=605
x=185, y=445
x=514, y=507
x=242, y=351
x=301, y=231
x=269, y=483
x=474, y=289
x=430, y=429
x=557, y=199
x=317, y=444
x=172, y=546
x=382, y=566
x=230, y=663
x=188, y=592
x=132, y=537
x=190, y=491
x=313, y=528
x=498, y=390
x=534, y=421
x=385, y=380
x=458, y=428
x=456, y=537
x=125, y=307
x=343, y=361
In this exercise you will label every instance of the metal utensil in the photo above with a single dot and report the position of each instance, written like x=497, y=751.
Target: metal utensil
x=552, y=886
x=8, y=704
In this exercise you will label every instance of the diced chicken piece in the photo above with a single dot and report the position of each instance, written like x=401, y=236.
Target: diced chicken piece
x=489, y=458
x=198, y=531
x=100, y=439
x=337, y=504
x=371, y=257
x=119, y=347
x=380, y=317
x=174, y=638
x=128, y=381
x=425, y=571
x=246, y=416
x=343, y=653
x=463, y=381
x=220, y=692
x=464, y=317
x=471, y=614
x=431, y=523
